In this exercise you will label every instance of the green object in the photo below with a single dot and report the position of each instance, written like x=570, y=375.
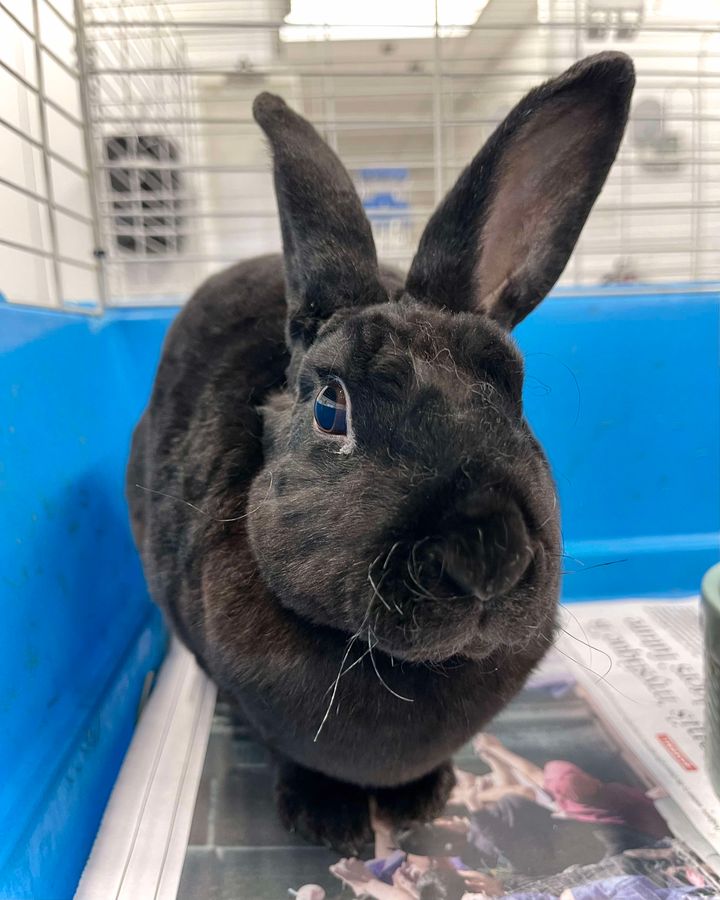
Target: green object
x=711, y=615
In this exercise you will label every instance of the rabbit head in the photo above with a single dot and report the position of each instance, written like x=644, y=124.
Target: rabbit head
x=404, y=497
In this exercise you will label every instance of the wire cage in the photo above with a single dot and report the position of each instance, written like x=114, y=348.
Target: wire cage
x=49, y=222
x=138, y=169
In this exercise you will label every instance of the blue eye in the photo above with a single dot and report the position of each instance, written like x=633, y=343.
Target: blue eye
x=331, y=409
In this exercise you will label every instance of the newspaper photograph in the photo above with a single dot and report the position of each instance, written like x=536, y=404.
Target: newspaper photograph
x=566, y=796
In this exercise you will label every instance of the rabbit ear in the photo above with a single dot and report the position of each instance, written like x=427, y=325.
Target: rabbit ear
x=330, y=258
x=503, y=235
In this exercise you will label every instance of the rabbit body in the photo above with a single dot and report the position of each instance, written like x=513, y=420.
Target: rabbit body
x=201, y=439
x=371, y=588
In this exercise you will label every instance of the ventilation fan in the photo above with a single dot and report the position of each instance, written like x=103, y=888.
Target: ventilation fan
x=659, y=148
x=145, y=188
x=620, y=19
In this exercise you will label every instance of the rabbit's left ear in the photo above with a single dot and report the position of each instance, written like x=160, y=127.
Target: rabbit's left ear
x=503, y=235
x=330, y=257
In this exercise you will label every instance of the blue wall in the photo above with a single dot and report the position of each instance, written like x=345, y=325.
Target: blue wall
x=622, y=390
x=77, y=631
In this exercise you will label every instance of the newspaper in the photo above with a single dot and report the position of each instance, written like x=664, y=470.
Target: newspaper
x=641, y=666
x=588, y=786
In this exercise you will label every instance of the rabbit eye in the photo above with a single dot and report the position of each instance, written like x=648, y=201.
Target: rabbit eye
x=331, y=409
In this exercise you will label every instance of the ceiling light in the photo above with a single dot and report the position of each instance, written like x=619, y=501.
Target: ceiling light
x=378, y=20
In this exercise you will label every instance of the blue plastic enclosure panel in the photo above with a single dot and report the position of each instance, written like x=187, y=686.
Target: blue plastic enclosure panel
x=623, y=391
x=77, y=630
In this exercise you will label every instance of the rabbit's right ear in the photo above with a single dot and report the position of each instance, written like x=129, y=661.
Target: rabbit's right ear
x=503, y=235
x=330, y=257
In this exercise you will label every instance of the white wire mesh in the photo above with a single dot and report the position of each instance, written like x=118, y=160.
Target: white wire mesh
x=47, y=225
x=406, y=91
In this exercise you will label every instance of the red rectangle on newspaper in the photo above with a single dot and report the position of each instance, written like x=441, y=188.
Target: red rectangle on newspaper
x=676, y=753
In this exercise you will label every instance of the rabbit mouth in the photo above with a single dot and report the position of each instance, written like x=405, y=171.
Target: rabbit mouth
x=477, y=639
x=478, y=634
x=466, y=612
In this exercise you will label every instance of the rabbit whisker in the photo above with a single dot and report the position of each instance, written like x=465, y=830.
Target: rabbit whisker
x=380, y=678
x=335, y=684
x=592, y=647
x=414, y=618
x=418, y=590
x=421, y=590
x=376, y=592
x=436, y=668
x=352, y=640
x=392, y=550
x=582, y=629
x=204, y=512
x=376, y=587
x=600, y=677
x=351, y=666
x=546, y=520
x=610, y=562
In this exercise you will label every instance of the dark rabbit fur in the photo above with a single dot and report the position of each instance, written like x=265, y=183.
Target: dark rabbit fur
x=418, y=557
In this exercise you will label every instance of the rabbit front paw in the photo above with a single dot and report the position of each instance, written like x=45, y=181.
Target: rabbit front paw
x=418, y=801
x=323, y=810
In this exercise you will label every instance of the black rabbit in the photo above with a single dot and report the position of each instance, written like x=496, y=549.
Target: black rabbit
x=342, y=510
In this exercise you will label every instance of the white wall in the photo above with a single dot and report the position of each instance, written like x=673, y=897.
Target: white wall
x=26, y=275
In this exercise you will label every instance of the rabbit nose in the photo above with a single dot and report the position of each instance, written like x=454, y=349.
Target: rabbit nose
x=491, y=554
